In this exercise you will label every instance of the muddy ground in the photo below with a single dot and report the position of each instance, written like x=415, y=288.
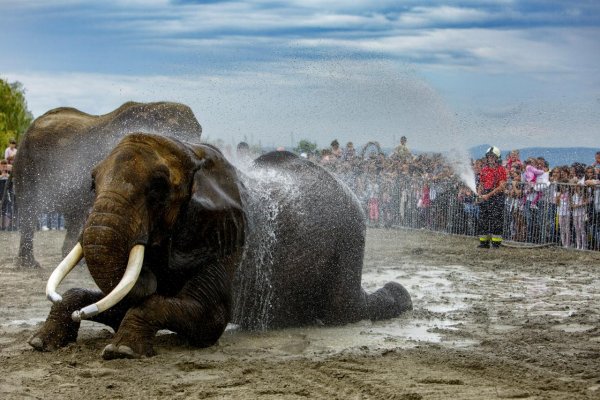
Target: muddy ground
x=487, y=324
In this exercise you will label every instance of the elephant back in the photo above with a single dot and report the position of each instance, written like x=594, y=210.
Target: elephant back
x=296, y=211
x=61, y=147
x=164, y=118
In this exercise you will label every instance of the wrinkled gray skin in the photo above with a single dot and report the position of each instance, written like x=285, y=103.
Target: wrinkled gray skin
x=310, y=273
x=52, y=170
x=217, y=250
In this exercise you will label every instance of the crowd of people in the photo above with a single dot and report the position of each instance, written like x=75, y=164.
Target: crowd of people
x=6, y=190
x=535, y=204
x=514, y=199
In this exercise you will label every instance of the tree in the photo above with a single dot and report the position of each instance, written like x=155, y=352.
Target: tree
x=304, y=146
x=15, y=118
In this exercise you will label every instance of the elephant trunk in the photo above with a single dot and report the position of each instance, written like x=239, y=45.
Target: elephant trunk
x=130, y=277
x=111, y=231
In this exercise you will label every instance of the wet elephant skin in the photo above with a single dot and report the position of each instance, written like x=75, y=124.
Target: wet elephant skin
x=190, y=208
x=59, y=150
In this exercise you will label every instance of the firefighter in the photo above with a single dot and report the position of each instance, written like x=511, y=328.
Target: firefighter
x=492, y=181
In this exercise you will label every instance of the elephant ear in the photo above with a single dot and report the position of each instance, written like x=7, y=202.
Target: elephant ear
x=215, y=187
x=212, y=223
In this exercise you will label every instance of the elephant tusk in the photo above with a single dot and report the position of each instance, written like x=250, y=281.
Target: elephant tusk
x=63, y=269
x=132, y=272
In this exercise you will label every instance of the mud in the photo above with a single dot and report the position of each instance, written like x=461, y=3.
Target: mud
x=487, y=324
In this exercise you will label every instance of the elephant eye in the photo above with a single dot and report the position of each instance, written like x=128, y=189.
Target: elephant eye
x=158, y=189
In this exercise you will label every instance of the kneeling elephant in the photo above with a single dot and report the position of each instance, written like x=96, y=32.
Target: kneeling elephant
x=179, y=239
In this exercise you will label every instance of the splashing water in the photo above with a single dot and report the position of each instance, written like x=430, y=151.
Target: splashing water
x=468, y=177
x=462, y=167
x=265, y=189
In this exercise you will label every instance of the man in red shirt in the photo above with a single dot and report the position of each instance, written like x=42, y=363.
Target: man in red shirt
x=492, y=181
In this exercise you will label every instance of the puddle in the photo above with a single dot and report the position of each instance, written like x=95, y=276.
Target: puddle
x=499, y=328
x=446, y=299
x=23, y=322
x=573, y=328
x=396, y=333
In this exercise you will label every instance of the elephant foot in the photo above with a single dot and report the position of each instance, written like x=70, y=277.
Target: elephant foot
x=115, y=351
x=51, y=337
x=402, y=299
x=389, y=302
x=27, y=262
x=130, y=342
x=112, y=352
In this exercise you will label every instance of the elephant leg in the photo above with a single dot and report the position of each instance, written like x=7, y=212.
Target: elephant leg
x=59, y=329
x=25, y=257
x=348, y=302
x=388, y=302
x=74, y=227
x=202, y=325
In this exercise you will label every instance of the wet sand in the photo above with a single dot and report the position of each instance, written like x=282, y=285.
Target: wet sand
x=487, y=324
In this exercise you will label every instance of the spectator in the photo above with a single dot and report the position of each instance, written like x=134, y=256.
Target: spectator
x=552, y=205
x=470, y=209
x=243, y=152
x=596, y=163
x=579, y=205
x=424, y=204
x=563, y=201
x=491, y=194
x=326, y=156
x=349, y=152
x=336, y=151
x=6, y=196
x=402, y=152
x=515, y=200
x=542, y=200
x=373, y=192
x=589, y=175
x=532, y=196
x=594, y=219
x=386, y=206
x=577, y=173
x=513, y=160
x=11, y=151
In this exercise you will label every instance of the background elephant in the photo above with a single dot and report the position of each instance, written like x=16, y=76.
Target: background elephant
x=60, y=148
x=176, y=240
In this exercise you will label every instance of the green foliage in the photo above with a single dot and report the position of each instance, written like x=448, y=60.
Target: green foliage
x=304, y=146
x=15, y=118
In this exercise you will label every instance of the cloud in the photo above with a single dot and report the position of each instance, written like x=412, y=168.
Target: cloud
x=434, y=16
x=350, y=100
x=338, y=98
x=362, y=69
x=538, y=51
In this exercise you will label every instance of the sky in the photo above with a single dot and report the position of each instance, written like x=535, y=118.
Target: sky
x=445, y=74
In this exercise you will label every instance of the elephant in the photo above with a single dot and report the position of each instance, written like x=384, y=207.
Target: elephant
x=60, y=148
x=178, y=238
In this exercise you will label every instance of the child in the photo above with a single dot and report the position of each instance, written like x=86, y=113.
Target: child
x=579, y=206
x=533, y=169
x=563, y=209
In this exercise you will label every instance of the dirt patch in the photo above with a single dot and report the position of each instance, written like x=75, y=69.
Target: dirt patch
x=506, y=323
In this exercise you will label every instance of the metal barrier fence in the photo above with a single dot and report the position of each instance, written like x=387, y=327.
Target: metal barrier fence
x=563, y=214
x=8, y=209
x=9, y=212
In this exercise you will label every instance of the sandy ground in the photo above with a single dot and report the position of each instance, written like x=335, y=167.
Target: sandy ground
x=487, y=324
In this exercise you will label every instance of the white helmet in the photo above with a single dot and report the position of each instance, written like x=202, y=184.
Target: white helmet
x=493, y=150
